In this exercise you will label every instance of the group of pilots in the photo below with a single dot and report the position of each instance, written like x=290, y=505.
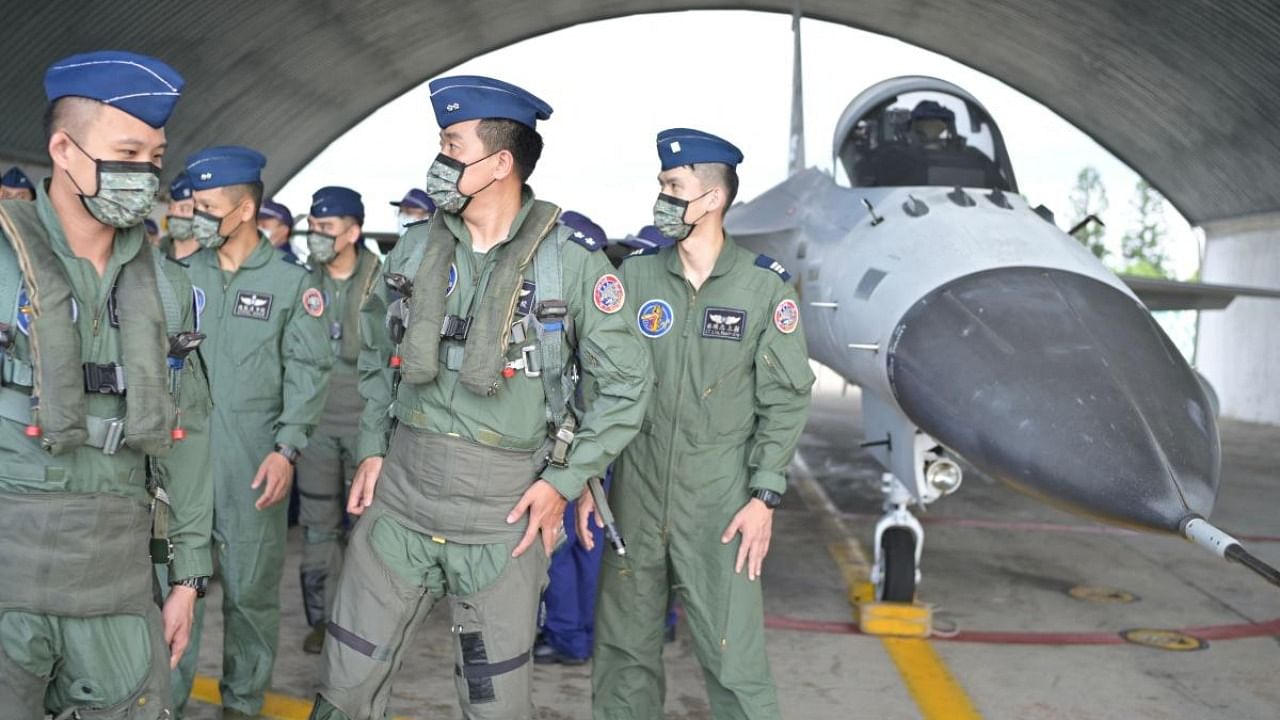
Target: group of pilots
x=440, y=409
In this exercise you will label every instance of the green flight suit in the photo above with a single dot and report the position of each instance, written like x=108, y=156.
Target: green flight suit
x=326, y=469
x=269, y=361
x=731, y=400
x=455, y=465
x=110, y=664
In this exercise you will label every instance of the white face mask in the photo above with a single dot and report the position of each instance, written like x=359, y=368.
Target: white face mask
x=403, y=220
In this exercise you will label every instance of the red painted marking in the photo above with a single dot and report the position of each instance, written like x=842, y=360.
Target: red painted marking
x=985, y=637
x=1030, y=526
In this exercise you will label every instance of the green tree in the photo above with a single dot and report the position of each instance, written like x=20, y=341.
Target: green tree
x=1143, y=246
x=1090, y=198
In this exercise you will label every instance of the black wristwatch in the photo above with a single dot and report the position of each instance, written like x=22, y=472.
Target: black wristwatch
x=289, y=452
x=199, y=583
x=770, y=498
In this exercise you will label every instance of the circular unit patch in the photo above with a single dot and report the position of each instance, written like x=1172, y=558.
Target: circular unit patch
x=609, y=294
x=655, y=318
x=786, y=317
x=453, y=279
x=313, y=302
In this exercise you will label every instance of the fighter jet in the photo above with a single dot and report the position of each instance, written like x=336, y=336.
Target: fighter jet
x=977, y=329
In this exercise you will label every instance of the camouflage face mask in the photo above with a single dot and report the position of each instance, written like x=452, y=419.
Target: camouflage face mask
x=442, y=183
x=179, y=227
x=322, y=248
x=126, y=190
x=205, y=228
x=668, y=216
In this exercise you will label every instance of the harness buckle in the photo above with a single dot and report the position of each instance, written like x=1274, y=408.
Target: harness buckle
x=455, y=327
x=551, y=314
x=104, y=378
x=529, y=356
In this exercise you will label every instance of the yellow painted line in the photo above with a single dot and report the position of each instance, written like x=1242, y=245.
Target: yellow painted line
x=276, y=707
x=931, y=685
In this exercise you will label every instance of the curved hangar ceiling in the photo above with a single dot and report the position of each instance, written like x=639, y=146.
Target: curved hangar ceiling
x=1187, y=92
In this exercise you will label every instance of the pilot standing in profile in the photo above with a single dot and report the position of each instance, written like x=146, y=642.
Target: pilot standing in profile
x=694, y=494
x=269, y=360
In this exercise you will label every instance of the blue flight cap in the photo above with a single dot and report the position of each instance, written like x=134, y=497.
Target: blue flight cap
x=224, y=165
x=151, y=226
x=416, y=198
x=275, y=210
x=180, y=188
x=142, y=86
x=15, y=178
x=335, y=201
x=683, y=146
x=648, y=237
x=932, y=110
x=469, y=97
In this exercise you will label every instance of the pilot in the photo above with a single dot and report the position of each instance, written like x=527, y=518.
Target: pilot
x=932, y=126
x=80, y=632
x=415, y=207
x=485, y=453
x=694, y=494
x=269, y=359
x=180, y=242
x=15, y=185
x=344, y=270
x=275, y=220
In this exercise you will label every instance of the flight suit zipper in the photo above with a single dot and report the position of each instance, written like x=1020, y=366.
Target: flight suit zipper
x=675, y=425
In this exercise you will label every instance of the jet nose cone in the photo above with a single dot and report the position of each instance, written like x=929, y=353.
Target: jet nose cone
x=1064, y=386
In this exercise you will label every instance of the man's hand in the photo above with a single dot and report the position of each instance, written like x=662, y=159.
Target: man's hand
x=755, y=522
x=587, y=508
x=362, y=485
x=179, y=615
x=546, y=515
x=277, y=472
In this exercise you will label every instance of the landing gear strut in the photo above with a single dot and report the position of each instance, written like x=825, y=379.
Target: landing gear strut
x=899, y=543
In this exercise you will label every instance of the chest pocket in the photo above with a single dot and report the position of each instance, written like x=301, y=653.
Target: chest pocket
x=253, y=329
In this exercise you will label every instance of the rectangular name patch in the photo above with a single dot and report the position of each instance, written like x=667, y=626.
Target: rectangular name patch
x=252, y=304
x=724, y=323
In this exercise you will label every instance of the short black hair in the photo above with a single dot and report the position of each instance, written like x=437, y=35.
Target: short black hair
x=719, y=175
x=254, y=190
x=523, y=142
x=69, y=113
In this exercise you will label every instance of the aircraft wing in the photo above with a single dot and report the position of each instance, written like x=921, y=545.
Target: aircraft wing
x=1159, y=294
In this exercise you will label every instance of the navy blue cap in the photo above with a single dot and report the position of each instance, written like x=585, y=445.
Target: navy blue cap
x=932, y=110
x=180, y=188
x=335, y=201
x=15, y=178
x=142, y=86
x=416, y=198
x=151, y=226
x=648, y=237
x=273, y=209
x=469, y=97
x=684, y=146
x=223, y=165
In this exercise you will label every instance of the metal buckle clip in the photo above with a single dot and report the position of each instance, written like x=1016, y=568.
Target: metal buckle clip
x=551, y=313
x=114, y=437
x=529, y=354
x=455, y=327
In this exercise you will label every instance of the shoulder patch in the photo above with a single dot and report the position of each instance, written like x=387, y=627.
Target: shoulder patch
x=293, y=260
x=583, y=231
x=768, y=263
x=313, y=302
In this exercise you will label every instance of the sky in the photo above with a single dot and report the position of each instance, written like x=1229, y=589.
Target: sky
x=610, y=100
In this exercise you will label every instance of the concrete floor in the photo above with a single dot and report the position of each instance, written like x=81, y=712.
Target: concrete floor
x=994, y=561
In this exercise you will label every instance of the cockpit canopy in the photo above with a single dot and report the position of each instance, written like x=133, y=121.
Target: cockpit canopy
x=917, y=131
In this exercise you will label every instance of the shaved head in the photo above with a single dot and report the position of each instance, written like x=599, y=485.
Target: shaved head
x=718, y=175
x=71, y=115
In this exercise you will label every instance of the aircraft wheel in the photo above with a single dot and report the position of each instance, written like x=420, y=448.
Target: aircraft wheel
x=898, y=553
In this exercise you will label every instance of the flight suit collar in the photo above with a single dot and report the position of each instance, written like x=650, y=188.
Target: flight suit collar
x=460, y=231
x=263, y=253
x=128, y=241
x=725, y=262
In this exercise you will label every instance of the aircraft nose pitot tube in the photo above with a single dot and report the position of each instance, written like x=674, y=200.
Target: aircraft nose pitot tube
x=1065, y=387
